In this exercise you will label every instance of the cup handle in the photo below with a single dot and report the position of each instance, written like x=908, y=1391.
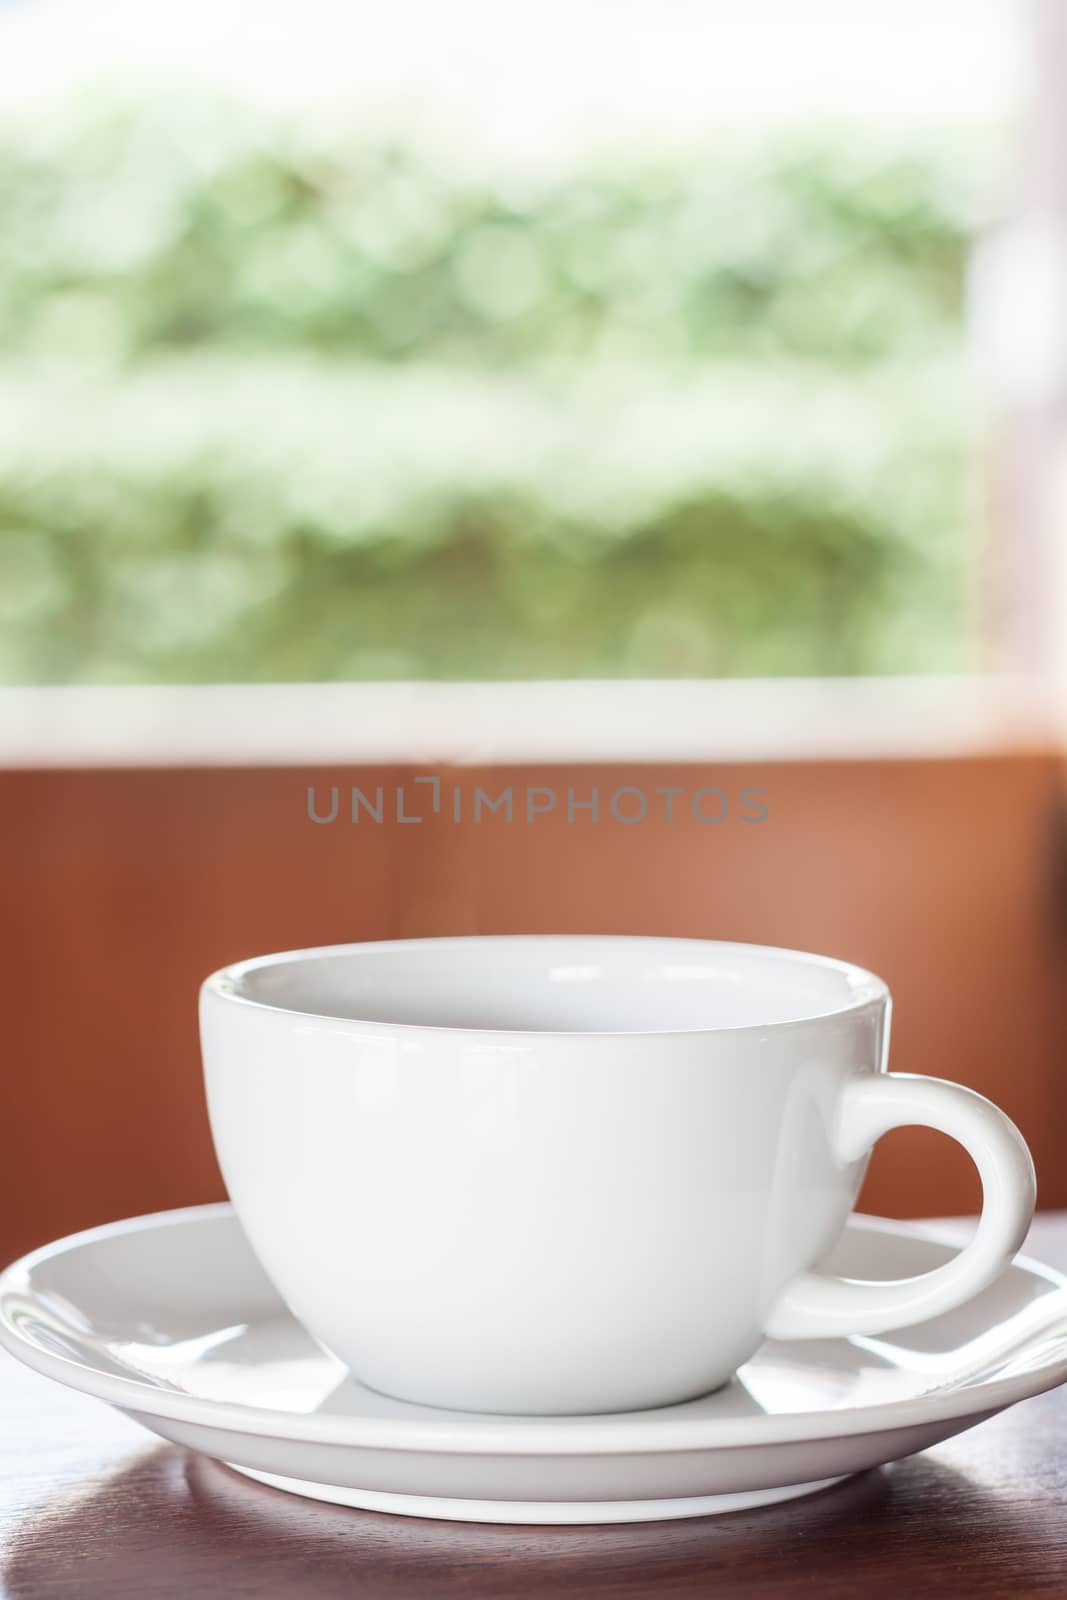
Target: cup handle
x=819, y=1306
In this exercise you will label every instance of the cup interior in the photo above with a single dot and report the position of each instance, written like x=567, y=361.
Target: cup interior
x=547, y=984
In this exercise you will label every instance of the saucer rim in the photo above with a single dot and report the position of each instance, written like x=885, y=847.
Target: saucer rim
x=473, y=1433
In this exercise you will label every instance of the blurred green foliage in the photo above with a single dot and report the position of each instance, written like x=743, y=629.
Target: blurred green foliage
x=290, y=404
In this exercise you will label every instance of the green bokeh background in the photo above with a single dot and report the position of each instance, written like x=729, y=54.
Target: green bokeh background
x=311, y=403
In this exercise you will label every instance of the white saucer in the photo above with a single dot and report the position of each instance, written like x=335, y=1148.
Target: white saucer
x=171, y=1319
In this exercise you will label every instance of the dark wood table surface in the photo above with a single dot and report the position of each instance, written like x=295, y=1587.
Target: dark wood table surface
x=93, y=1508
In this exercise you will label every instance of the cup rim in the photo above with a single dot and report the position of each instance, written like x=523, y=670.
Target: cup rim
x=870, y=992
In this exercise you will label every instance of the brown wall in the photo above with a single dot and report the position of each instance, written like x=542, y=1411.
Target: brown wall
x=124, y=888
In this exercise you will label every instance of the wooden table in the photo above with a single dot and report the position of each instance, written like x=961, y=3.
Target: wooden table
x=92, y=1508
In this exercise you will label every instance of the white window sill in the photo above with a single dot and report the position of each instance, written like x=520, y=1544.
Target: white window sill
x=470, y=724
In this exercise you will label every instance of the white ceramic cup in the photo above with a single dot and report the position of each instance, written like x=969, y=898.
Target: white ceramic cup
x=574, y=1174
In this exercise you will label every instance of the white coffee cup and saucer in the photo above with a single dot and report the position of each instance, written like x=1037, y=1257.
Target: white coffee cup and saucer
x=553, y=1229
